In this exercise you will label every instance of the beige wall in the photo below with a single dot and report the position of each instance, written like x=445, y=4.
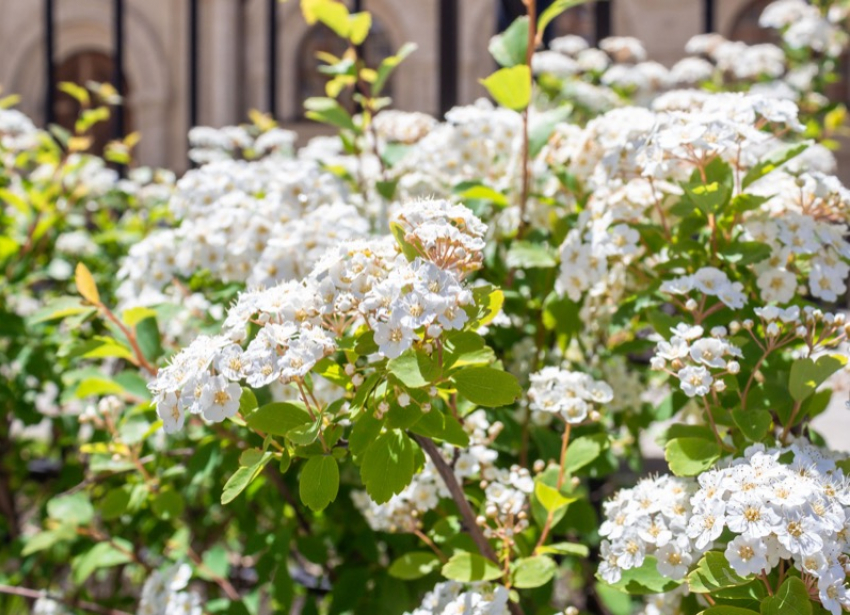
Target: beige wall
x=233, y=63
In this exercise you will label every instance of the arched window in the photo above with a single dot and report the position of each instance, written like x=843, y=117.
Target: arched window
x=81, y=68
x=579, y=20
x=320, y=38
x=746, y=27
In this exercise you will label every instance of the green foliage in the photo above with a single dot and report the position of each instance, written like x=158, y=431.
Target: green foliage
x=470, y=567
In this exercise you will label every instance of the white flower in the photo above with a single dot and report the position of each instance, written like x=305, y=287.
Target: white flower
x=170, y=410
x=673, y=561
x=395, y=335
x=747, y=555
x=695, y=381
x=220, y=399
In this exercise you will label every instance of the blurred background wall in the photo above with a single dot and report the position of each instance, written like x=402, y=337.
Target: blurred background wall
x=207, y=62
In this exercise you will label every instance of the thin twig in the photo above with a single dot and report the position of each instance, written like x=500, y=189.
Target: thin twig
x=459, y=497
x=92, y=607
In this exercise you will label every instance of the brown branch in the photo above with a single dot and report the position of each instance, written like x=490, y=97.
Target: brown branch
x=92, y=607
x=459, y=497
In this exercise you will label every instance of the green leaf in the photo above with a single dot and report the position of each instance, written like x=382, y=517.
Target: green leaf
x=792, y=598
x=645, y=579
x=542, y=125
x=45, y=540
x=413, y=369
x=771, y=163
x=806, y=374
x=410, y=252
x=753, y=423
x=387, y=188
x=713, y=572
x=248, y=402
x=484, y=193
x=746, y=252
x=566, y=548
x=584, y=450
x=490, y=300
x=114, y=504
x=306, y=434
x=243, y=477
x=510, y=47
x=561, y=314
x=168, y=504
x=279, y=418
x=551, y=498
x=486, y=386
x=690, y=456
x=388, y=65
x=414, y=565
x=387, y=465
x=440, y=426
x=75, y=509
x=97, y=386
x=319, y=482
x=469, y=567
x=528, y=255
x=510, y=87
x=102, y=555
x=555, y=9
x=533, y=571
x=727, y=610
x=329, y=111
x=135, y=315
x=60, y=308
x=147, y=336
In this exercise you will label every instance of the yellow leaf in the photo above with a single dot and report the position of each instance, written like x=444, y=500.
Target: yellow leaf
x=85, y=284
x=261, y=120
x=359, y=25
x=132, y=139
x=79, y=93
x=79, y=144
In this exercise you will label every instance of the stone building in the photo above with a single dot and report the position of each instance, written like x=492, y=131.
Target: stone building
x=233, y=58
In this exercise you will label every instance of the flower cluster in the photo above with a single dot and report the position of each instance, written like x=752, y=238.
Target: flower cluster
x=795, y=511
x=258, y=222
x=209, y=144
x=163, y=593
x=451, y=598
x=698, y=361
x=648, y=519
x=571, y=395
x=804, y=222
x=804, y=25
x=708, y=282
x=403, y=302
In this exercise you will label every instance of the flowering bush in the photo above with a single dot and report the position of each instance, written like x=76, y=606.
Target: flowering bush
x=407, y=368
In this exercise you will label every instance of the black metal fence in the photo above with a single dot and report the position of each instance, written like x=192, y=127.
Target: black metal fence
x=448, y=35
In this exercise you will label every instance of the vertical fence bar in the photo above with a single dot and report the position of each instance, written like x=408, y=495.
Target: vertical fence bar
x=448, y=45
x=602, y=11
x=193, y=63
x=271, y=52
x=357, y=6
x=708, y=16
x=49, y=65
x=118, y=67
